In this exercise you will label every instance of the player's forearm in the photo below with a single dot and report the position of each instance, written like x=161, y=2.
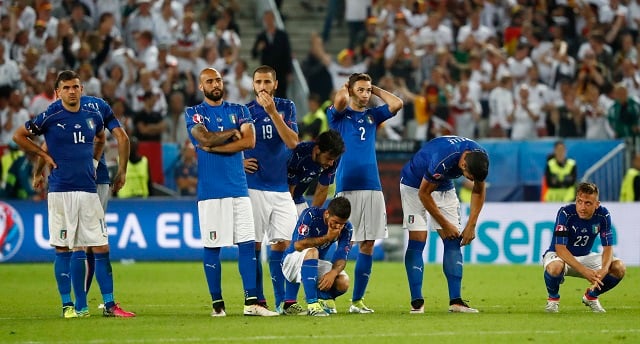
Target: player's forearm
x=607, y=257
x=568, y=258
x=341, y=99
x=311, y=242
x=339, y=265
x=123, y=148
x=288, y=135
x=320, y=196
x=477, y=202
x=394, y=102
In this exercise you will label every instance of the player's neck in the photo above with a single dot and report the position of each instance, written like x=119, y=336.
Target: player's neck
x=71, y=108
x=213, y=102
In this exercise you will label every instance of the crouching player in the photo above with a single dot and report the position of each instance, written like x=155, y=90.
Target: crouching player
x=577, y=226
x=317, y=229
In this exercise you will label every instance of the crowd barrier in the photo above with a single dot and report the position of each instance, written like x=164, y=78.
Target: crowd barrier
x=167, y=230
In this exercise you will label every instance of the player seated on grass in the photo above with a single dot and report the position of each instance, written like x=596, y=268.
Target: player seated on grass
x=317, y=229
x=577, y=226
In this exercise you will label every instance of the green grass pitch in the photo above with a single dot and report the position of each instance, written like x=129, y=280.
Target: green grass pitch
x=173, y=306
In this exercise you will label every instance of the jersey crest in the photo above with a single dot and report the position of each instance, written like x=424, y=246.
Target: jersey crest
x=303, y=229
x=197, y=118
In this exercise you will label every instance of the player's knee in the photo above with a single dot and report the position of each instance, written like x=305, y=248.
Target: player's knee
x=617, y=269
x=279, y=246
x=366, y=246
x=100, y=249
x=555, y=268
x=341, y=283
x=311, y=253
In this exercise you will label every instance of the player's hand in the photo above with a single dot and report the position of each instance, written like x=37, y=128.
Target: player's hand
x=449, y=231
x=237, y=135
x=266, y=101
x=468, y=235
x=119, y=180
x=48, y=160
x=250, y=165
x=593, y=278
x=38, y=182
x=326, y=281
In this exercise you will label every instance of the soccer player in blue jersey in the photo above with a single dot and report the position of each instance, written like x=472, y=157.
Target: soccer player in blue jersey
x=577, y=226
x=220, y=131
x=75, y=138
x=426, y=183
x=103, y=182
x=305, y=259
x=357, y=176
x=274, y=213
x=314, y=161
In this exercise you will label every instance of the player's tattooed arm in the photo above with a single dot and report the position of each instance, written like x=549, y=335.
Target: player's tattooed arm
x=207, y=138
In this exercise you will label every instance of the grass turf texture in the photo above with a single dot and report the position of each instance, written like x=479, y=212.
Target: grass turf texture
x=173, y=306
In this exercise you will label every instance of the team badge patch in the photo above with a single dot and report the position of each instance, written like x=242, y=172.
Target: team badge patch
x=213, y=235
x=197, y=118
x=596, y=229
x=90, y=123
x=411, y=219
x=63, y=234
x=232, y=118
x=303, y=229
x=561, y=228
x=370, y=119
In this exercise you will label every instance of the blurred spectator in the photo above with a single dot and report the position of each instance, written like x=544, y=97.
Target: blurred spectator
x=45, y=94
x=11, y=154
x=340, y=70
x=188, y=41
x=465, y=111
x=175, y=125
x=138, y=182
x=565, y=119
x=19, y=179
x=525, y=115
x=594, y=112
x=186, y=172
x=238, y=84
x=356, y=12
x=313, y=122
x=9, y=70
x=273, y=49
x=624, y=114
x=630, y=188
x=501, y=106
x=149, y=123
x=12, y=116
x=560, y=175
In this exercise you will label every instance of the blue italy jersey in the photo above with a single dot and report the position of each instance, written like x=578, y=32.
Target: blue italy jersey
x=69, y=137
x=311, y=225
x=437, y=162
x=358, y=130
x=578, y=234
x=302, y=171
x=270, y=151
x=110, y=123
x=221, y=175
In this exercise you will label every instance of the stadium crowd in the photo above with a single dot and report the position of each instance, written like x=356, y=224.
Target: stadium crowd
x=513, y=69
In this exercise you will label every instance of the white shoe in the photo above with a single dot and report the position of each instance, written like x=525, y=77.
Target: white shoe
x=552, y=305
x=359, y=307
x=462, y=308
x=257, y=310
x=418, y=310
x=220, y=313
x=593, y=304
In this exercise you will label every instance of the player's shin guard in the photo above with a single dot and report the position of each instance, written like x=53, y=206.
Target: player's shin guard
x=213, y=272
x=277, y=278
x=309, y=274
x=361, y=275
x=78, y=275
x=452, y=266
x=104, y=277
x=553, y=284
x=62, y=270
x=414, y=265
x=259, y=286
x=247, y=266
x=608, y=282
x=91, y=268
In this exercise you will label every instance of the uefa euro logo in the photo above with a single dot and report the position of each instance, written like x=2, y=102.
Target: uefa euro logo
x=11, y=232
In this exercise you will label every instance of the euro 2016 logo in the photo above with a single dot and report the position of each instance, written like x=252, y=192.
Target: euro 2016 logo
x=11, y=232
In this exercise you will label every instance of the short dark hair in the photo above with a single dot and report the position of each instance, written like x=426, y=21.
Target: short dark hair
x=477, y=165
x=358, y=77
x=330, y=141
x=587, y=188
x=265, y=69
x=65, y=75
x=340, y=207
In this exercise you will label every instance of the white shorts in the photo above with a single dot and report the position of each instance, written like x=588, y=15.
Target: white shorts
x=76, y=219
x=225, y=221
x=292, y=264
x=592, y=261
x=368, y=214
x=416, y=218
x=104, y=193
x=300, y=207
x=274, y=214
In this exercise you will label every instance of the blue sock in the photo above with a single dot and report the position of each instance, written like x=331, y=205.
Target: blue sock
x=213, y=272
x=335, y=292
x=362, y=272
x=277, y=278
x=324, y=294
x=309, y=274
x=414, y=265
x=78, y=275
x=452, y=266
x=104, y=277
x=608, y=282
x=259, y=286
x=62, y=270
x=91, y=268
x=247, y=266
x=291, y=291
x=553, y=284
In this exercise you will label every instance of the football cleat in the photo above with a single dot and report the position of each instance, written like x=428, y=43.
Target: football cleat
x=257, y=310
x=592, y=303
x=117, y=312
x=294, y=309
x=462, y=308
x=83, y=313
x=218, y=313
x=359, y=307
x=417, y=306
x=315, y=310
x=329, y=305
x=69, y=312
x=552, y=305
